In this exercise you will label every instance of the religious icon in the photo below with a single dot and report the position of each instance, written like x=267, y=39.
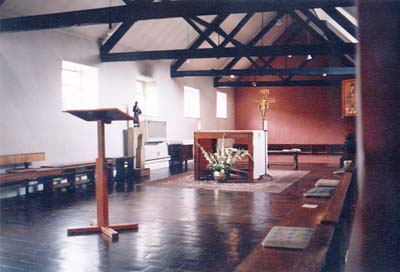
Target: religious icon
x=264, y=102
x=136, y=112
x=349, y=97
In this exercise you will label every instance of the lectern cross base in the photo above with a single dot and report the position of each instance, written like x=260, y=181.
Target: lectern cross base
x=267, y=177
x=108, y=231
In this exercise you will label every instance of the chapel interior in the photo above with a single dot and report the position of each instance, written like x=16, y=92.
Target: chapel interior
x=199, y=135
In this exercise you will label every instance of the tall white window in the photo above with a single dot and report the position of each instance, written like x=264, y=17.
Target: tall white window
x=191, y=102
x=79, y=86
x=222, y=111
x=147, y=97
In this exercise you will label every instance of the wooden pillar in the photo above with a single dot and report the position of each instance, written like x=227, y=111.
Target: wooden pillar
x=375, y=238
x=101, y=179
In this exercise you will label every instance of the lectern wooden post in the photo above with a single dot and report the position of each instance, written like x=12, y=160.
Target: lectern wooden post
x=102, y=116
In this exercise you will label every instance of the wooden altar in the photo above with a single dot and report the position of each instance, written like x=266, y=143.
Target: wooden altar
x=102, y=116
x=253, y=139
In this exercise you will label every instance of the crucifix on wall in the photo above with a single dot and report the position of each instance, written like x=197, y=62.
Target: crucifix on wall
x=263, y=105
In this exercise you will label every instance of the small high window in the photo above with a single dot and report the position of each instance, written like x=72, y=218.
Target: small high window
x=222, y=111
x=79, y=86
x=191, y=102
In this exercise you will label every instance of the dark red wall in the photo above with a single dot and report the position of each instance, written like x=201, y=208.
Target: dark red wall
x=300, y=115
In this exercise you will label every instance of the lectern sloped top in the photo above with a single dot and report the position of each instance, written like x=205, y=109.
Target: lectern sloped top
x=106, y=115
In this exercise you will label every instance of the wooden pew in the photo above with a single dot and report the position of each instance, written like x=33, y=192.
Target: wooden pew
x=310, y=259
x=336, y=204
x=324, y=219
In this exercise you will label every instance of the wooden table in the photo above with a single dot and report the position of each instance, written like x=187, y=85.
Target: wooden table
x=294, y=153
x=254, y=139
x=102, y=116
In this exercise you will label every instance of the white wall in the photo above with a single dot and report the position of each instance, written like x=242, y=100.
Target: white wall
x=31, y=119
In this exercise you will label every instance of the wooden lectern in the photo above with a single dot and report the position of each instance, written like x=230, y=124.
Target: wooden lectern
x=102, y=116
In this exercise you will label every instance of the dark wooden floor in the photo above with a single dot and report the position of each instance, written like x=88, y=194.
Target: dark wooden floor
x=179, y=229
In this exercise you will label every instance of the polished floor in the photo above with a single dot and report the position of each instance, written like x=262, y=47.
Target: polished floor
x=179, y=229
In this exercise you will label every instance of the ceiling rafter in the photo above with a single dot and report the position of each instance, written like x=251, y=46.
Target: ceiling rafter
x=271, y=72
x=201, y=33
x=158, y=10
x=341, y=20
x=257, y=51
x=137, y=10
x=319, y=36
x=237, y=28
x=294, y=29
x=256, y=39
x=121, y=30
x=321, y=25
x=238, y=44
x=215, y=22
x=282, y=83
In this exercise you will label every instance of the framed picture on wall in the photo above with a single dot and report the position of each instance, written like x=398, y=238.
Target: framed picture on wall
x=349, y=97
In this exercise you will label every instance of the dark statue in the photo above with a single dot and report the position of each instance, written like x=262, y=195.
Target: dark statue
x=136, y=112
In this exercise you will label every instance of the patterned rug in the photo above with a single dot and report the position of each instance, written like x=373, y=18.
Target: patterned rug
x=282, y=179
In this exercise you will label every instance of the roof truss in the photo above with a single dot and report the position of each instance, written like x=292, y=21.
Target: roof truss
x=190, y=10
x=146, y=10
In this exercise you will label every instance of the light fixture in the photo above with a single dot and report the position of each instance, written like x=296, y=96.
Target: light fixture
x=324, y=74
x=232, y=76
x=109, y=31
x=309, y=57
x=289, y=56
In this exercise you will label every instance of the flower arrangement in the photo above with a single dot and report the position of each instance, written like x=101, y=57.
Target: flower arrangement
x=224, y=158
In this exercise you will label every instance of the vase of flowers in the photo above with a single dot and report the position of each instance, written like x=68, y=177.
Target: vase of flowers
x=221, y=162
x=219, y=175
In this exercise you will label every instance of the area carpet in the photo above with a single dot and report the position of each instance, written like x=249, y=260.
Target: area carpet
x=282, y=179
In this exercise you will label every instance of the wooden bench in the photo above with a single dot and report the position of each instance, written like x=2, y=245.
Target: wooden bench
x=76, y=174
x=26, y=159
x=54, y=177
x=294, y=153
x=325, y=220
x=311, y=149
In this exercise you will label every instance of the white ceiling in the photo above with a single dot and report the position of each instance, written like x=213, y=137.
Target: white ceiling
x=163, y=34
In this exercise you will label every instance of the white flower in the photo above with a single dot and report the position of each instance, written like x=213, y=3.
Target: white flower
x=224, y=158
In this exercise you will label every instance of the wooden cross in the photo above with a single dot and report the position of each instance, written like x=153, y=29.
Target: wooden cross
x=264, y=103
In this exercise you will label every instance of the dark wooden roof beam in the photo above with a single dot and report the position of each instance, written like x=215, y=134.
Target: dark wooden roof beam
x=270, y=72
x=257, y=51
x=146, y=10
x=201, y=33
x=215, y=22
x=257, y=38
x=341, y=20
x=291, y=83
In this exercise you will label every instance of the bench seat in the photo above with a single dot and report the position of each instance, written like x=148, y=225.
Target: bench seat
x=325, y=219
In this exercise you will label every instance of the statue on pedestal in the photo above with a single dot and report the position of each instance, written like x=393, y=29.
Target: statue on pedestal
x=136, y=112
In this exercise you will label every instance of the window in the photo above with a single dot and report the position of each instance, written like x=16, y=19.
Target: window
x=147, y=97
x=79, y=86
x=191, y=102
x=222, y=111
